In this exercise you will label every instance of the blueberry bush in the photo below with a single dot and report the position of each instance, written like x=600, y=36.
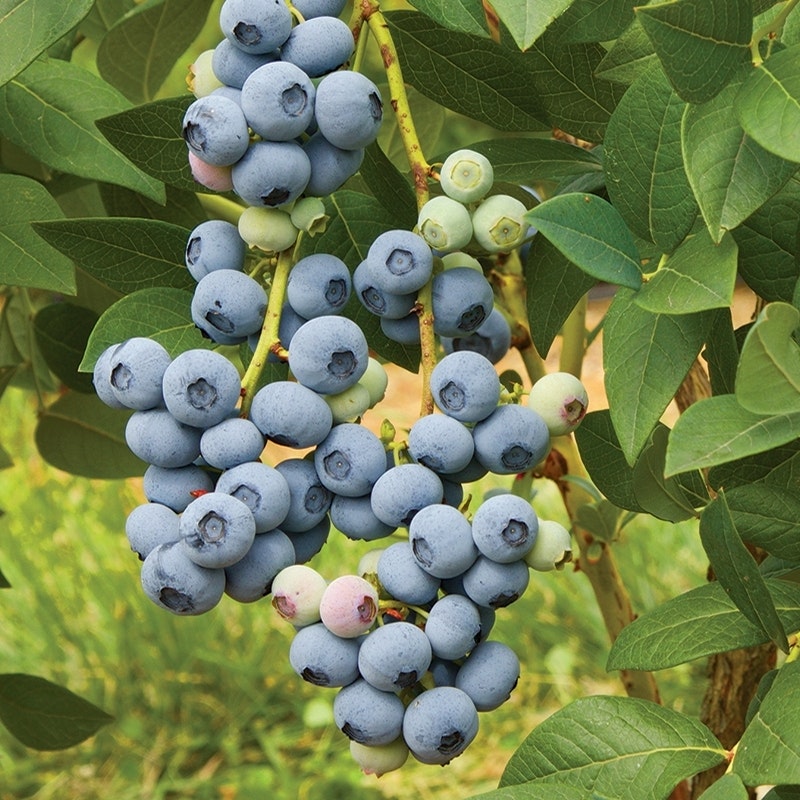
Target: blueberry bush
x=191, y=272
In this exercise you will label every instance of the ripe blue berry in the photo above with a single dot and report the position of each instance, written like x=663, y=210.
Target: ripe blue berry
x=512, y=439
x=349, y=460
x=489, y=675
x=504, y=528
x=309, y=499
x=465, y=386
x=331, y=166
x=262, y=489
x=214, y=244
x=256, y=27
x=217, y=530
x=158, y=438
x=291, y=414
x=403, y=578
x=441, y=541
x=462, y=301
x=252, y=576
x=492, y=339
x=394, y=657
x=319, y=45
x=150, y=525
x=271, y=173
x=319, y=285
x=177, y=487
x=322, y=658
x=231, y=442
x=348, y=109
x=402, y=491
x=401, y=262
x=215, y=130
x=135, y=370
x=367, y=715
x=228, y=306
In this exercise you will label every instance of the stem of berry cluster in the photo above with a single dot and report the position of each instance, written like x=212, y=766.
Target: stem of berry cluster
x=771, y=31
x=420, y=171
x=269, y=339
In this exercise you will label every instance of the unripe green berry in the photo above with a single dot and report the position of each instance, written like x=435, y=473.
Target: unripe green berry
x=552, y=548
x=498, y=223
x=379, y=759
x=459, y=259
x=308, y=215
x=375, y=380
x=269, y=229
x=561, y=400
x=349, y=405
x=296, y=594
x=466, y=176
x=445, y=224
x=201, y=79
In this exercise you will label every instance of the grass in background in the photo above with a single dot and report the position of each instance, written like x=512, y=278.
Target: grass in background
x=208, y=707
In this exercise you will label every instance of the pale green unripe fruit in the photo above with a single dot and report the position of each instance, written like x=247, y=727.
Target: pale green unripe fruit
x=459, y=259
x=269, y=229
x=445, y=224
x=552, y=548
x=379, y=759
x=498, y=223
x=368, y=564
x=296, y=594
x=201, y=79
x=466, y=176
x=561, y=400
x=349, y=405
x=375, y=380
x=308, y=215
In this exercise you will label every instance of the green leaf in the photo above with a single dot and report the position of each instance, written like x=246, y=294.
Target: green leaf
x=769, y=750
x=768, y=104
x=160, y=313
x=768, y=377
x=528, y=21
x=737, y=570
x=4, y=584
x=26, y=260
x=590, y=232
x=764, y=685
x=696, y=624
x=628, y=57
x=389, y=187
x=29, y=27
x=356, y=220
x=767, y=243
x=182, y=207
x=728, y=787
x=662, y=497
x=601, y=519
x=701, y=43
x=716, y=430
x=45, y=716
x=468, y=74
x=526, y=791
x=646, y=357
x=461, y=16
x=722, y=352
x=50, y=110
x=103, y=16
x=602, y=455
x=730, y=173
x=783, y=793
x=152, y=36
x=81, y=435
x=699, y=275
x=62, y=331
x=643, y=161
x=623, y=746
x=594, y=20
x=554, y=286
x=767, y=517
x=150, y=136
x=779, y=466
x=126, y=254
x=527, y=161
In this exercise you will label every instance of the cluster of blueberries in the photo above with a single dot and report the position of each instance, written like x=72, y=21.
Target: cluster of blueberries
x=275, y=116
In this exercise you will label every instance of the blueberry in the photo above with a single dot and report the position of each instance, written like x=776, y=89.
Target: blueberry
x=322, y=658
x=228, y=306
x=256, y=27
x=348, y=109
x=349, y=606
x=462, y=301
x=309, y=542
x=218, y=179
x=403, y=578
x=278, y=101
x=176, y=583
x=290, y=414
x=201, y=388
x=349, y=405
x=354, y=517
x=402, y=491
x=271, y=173
x=394, y=657
x=214, y=244
x=231, y=442
x=176, y=487
x=135, y=369
x=440, y=443
x=232, y=65
x=217, y=530
x=320, y=8
x=251, y=577
x=296, y=594
x=495, y=585
x=149, y=525
x=376, y=300
x=331, y=166
x=498, y=223
x=489, y=675
x=328, y=354
x=262, y=489
x=309, y=499
x=443, y=672
x=466, y=176
x=404, y=330
x=552, y=549
x=215, y=130
x=101, y=378
x=492, y=339
x=350, y=459
x=453, y=627
x=319, y=45
x=268, y=229
x=560, y=398
x=158, y=438
x=367, y=715
x=401, y=262
x=379, y=759
x=465, y=386
x=440, y=724
x=319, y=285
x=441, y=541
x=511, y=439
x=445, y=224
x=504, y=528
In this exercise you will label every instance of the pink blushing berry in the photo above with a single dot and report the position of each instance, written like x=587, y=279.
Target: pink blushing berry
x=296, y=594
x=349, y=606
x=217, y=179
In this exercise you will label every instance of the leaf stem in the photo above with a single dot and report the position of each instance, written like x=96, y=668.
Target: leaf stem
x=771, y=31
x=221, y=207
x=573, y=339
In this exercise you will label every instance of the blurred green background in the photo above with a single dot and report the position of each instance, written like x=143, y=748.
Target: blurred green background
x=208, y=707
